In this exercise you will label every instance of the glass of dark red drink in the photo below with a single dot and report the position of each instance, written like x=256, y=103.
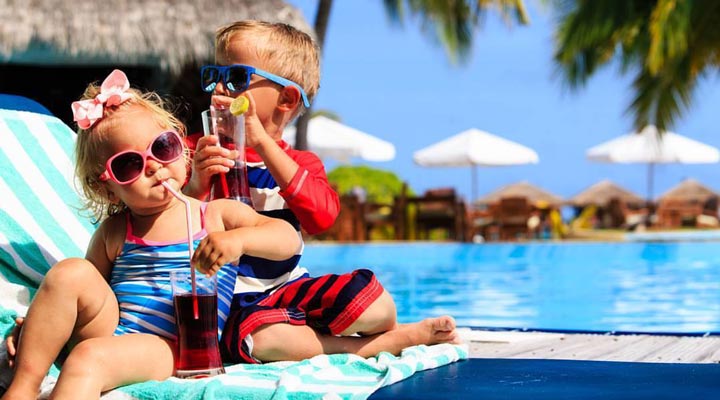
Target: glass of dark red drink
x=230, y=130
x=196, y=322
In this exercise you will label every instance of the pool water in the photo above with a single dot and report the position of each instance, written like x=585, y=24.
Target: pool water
x=620, y=287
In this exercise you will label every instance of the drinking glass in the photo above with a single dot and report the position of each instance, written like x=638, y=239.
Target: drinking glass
x=196, y=322
x=230, y=130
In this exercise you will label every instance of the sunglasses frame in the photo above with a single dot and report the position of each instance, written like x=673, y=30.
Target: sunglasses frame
x=223, y=72
x=108, y=174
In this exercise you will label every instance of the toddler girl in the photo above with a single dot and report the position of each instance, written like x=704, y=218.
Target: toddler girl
x=114, y=308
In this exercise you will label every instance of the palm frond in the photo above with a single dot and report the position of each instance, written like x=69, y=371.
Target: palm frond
x=452, y=22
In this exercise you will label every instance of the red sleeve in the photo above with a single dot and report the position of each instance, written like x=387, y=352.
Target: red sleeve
x=191, y=143
x=309, y=194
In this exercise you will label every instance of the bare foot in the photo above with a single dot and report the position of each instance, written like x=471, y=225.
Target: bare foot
x=432, y=331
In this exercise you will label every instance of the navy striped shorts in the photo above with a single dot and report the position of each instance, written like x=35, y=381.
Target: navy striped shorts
x=328, y=304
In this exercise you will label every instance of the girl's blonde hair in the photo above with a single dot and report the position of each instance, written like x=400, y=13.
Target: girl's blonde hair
x=89, y=161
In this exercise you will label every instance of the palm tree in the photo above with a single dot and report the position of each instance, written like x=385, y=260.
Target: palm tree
x=668, y=45
x=452, y=22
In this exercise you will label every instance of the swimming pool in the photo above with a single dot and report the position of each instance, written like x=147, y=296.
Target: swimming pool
x=620, y=287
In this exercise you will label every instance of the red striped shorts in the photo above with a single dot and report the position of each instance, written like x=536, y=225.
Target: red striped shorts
x=328, y=304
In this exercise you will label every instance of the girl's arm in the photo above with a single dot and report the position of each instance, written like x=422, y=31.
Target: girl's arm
x=245, y=232
x=105, y=245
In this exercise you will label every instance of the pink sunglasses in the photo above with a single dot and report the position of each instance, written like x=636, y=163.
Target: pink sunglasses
x=126, y=166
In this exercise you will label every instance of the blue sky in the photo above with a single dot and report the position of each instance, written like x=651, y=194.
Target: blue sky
x=396, y=83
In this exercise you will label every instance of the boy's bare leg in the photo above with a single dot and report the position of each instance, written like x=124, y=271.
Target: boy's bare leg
x=100, y=364
x=74, y=300
x=271, y=342
x=380, y=316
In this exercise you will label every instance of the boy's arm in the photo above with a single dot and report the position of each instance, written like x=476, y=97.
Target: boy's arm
x=303, y=185
x=309, y=194
x=245, y=232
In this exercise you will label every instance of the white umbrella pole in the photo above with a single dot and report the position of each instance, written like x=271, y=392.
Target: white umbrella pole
x=650, y=181
x=474, y=183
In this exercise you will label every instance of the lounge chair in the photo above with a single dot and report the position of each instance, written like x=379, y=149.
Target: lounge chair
x=439, y=208
x=512, y=215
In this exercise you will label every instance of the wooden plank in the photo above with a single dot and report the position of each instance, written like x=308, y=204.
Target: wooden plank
x=635, y=347
x=640, y=348
x=691, y=349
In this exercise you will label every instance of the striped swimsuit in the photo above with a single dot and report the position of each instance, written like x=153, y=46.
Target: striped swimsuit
x=140, y=280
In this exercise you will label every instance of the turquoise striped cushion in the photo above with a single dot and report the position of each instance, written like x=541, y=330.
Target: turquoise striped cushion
x=40, y=221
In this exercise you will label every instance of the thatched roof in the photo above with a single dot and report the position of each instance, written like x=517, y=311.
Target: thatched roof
x=533, y=193
x=601, y=193
x=166, y=33
x=689, y=190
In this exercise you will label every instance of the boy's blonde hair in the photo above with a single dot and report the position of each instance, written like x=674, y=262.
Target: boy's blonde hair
x=287, y=51
x=89, y=158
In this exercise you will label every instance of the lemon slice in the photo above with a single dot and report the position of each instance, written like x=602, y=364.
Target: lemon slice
x=239, y=105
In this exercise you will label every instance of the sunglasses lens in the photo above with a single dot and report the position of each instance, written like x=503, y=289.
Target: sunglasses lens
x=126, y=166
x=236, y=79
x=167, y=147
x=209, y=77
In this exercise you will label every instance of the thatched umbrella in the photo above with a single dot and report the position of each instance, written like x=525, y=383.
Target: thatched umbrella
x=533, y=193
x=165, y=33
x=601, y=193
x=689, y=190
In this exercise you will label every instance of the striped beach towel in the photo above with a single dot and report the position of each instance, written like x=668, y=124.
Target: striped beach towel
x=337, y=376
x=40, y=221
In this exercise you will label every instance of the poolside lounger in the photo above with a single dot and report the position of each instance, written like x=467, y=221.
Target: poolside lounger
x=20, y=103
x=520, y=379
x=39, y=218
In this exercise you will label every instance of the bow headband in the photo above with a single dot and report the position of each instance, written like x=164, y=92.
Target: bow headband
x=112, y=92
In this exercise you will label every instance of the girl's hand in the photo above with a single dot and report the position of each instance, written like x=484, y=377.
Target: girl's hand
x=216, y=250
x=13, y=340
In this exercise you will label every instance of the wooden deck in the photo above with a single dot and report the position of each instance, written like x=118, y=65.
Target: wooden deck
x=597, y=347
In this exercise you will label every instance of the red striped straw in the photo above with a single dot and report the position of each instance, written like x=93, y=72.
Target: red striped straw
x=188, y=218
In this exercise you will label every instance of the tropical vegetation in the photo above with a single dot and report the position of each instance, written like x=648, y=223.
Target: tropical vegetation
x=376, y=185
x=668, y=46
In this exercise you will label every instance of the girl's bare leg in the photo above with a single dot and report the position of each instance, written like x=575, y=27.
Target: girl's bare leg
x=278, y=342
x=74, y=300
x=100, y=364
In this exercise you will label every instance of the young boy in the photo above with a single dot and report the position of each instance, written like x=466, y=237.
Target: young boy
x=285, y=182
x=279, y=312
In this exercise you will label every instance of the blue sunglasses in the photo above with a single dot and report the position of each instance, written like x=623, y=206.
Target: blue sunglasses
x=237, y=78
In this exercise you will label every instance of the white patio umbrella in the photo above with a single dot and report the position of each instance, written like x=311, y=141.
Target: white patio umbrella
x=329, y=138
x=648, y=147
x=473, y=148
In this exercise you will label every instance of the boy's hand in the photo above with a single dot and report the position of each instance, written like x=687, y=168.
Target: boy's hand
x=13, y=340
x=254, y=130
x=216, y=250
x=218, y=100
x=209, y=159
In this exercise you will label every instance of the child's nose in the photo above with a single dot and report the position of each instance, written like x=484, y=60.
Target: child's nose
x=220, y=88
x=152, y=166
